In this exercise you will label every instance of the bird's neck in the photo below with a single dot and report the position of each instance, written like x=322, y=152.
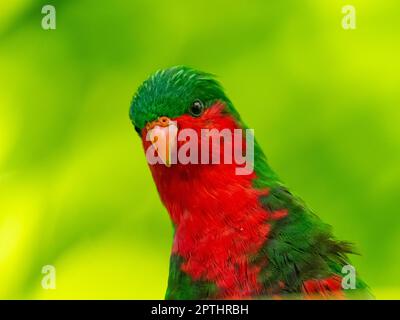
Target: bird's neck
x=219, y=224
x=204, y=192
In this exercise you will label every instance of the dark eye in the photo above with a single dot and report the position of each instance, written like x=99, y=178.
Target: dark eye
x=196, y=108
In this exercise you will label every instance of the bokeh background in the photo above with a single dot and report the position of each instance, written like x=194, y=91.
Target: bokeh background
x=75, y=190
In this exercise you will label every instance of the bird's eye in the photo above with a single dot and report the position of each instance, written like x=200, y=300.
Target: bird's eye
x=196, y=109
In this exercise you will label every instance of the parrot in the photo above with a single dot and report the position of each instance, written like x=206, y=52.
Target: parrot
x=235, y=236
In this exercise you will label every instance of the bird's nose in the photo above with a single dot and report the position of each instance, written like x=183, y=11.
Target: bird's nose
x=161, y=122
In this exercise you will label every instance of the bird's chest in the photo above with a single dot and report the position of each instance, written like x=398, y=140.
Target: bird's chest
x=219, y=226
x=217, y=246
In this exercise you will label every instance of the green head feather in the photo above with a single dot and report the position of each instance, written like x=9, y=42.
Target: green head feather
x=170, y=92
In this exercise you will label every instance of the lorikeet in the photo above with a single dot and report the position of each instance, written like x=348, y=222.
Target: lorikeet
x=235, y=235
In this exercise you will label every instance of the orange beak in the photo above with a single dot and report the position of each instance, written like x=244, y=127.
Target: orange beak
x=162, y=133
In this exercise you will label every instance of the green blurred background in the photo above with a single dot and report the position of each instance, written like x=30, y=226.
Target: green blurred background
x=75, y=190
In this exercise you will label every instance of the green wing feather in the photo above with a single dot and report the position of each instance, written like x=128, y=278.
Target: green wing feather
x=300, y=246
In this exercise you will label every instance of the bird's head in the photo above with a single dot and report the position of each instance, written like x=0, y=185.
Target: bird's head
x=175, y=92
x=184, y=97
